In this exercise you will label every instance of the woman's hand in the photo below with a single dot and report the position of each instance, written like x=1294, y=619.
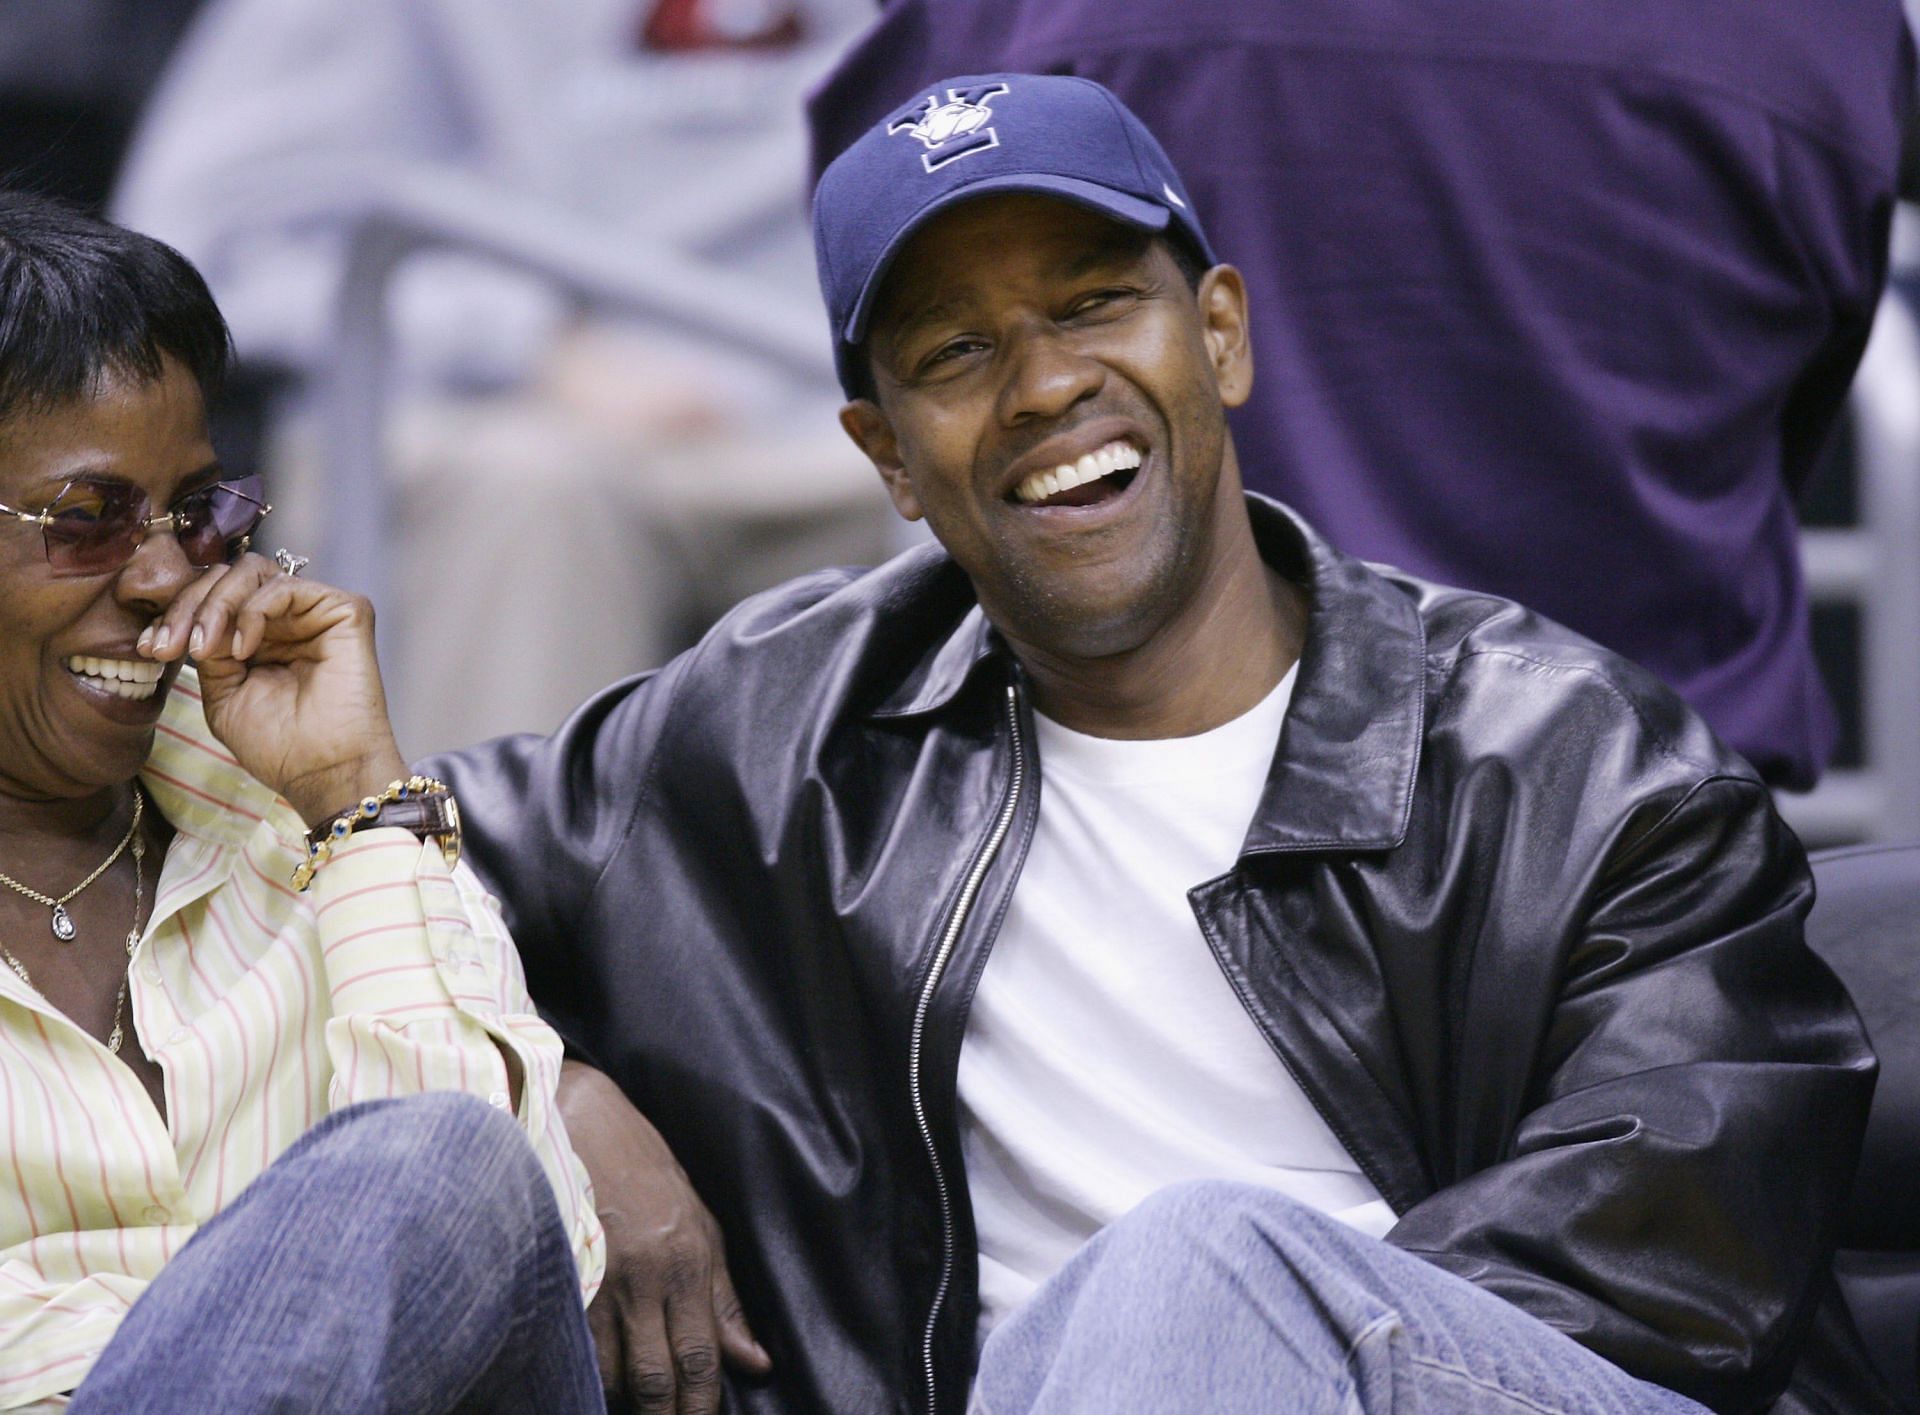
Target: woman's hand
x=290, y=681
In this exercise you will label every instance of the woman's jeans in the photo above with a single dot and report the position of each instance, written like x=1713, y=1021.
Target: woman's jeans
x=404, y=1256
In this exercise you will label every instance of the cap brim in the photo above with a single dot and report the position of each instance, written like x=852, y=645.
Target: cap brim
x=1121, y=206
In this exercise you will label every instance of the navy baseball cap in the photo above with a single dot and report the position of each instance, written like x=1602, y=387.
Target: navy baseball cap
x=967, y=137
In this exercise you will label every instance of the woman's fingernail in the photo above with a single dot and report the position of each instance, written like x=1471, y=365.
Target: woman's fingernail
x=145, y=642
x=197, y=641
x=236, y=643
x=162, y=639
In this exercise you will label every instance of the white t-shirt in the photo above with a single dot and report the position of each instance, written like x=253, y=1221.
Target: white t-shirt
x=1106, y=1056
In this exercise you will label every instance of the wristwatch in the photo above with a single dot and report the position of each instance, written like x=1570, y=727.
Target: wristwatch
x=418, y=804
x=431, y=814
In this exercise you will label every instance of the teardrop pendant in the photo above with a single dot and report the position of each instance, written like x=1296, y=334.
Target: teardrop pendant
x=62, y=924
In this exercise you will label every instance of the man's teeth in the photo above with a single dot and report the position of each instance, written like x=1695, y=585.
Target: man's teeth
x=1103, y=462
x=130, y=678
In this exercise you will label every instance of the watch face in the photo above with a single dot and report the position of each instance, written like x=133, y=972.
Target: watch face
x=450, y=839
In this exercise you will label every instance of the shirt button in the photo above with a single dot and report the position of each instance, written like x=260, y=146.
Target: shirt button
x=499, y=1100
x=156, y=1214
x=150, y=970
x=176, y=1036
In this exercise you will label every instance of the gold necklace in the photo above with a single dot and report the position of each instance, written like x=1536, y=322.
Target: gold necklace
x=116, y=1037
x=63, y=928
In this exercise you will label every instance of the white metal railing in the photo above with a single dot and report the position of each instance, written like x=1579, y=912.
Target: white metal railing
x=1877, y=567
x=622, y=274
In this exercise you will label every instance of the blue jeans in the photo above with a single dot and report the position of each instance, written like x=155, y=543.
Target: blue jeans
x=404, y=1255
x=1224, y=1297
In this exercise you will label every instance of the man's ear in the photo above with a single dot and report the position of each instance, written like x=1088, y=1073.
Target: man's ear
x=1223, y=315
x=873, y=435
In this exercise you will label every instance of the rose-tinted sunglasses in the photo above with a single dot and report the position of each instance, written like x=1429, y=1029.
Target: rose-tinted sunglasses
x=93, y=527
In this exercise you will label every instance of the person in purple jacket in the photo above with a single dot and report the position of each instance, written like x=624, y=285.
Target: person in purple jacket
x=1559, y=302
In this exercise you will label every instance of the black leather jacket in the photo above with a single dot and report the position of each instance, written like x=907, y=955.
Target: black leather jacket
x=1527, y=935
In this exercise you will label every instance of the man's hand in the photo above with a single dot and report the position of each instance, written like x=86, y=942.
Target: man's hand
x=666, y=1314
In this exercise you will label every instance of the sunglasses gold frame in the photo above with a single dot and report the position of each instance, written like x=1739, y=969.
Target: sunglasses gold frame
x=168, y=521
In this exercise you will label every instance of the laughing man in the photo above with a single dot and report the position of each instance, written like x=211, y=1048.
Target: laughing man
x=1132, y=956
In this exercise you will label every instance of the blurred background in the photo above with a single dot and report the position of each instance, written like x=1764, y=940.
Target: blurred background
x=531, y=349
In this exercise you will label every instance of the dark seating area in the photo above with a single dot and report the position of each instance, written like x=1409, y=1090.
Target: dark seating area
x=1867, y=926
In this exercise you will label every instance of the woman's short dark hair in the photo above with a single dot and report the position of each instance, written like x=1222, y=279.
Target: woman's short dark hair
x=82, y=300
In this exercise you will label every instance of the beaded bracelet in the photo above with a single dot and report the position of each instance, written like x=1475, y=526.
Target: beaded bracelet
x=432, y=816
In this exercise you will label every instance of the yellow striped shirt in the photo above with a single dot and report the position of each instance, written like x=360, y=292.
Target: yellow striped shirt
x=265, y=1010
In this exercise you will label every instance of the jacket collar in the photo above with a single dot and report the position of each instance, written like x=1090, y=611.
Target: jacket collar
x=1350, y=747
x=935, y=679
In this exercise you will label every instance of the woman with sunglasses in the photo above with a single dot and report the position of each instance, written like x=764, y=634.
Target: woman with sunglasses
x=239, y=966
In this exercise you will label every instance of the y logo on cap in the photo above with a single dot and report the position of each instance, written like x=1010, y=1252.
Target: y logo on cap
x=951, y=130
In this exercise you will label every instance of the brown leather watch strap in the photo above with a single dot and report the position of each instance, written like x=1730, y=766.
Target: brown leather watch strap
x=431, y=815
x=427, y=815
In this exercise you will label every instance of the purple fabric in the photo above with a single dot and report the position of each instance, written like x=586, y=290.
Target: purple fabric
x=1557, y=300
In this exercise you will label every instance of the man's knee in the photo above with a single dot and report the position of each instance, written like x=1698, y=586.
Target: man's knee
x=1208, y=1209
x=1202, y=1229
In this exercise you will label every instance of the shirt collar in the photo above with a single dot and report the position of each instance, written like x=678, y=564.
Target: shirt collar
x=197, y=784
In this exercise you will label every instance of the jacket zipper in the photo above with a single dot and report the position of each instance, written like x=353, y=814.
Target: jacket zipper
x=949, y=936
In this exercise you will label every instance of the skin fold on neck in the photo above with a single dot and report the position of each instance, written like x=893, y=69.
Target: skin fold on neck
x=31, y=826
x=1217, y=658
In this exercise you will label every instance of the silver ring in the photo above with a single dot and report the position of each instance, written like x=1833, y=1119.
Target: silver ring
x=289, y=563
